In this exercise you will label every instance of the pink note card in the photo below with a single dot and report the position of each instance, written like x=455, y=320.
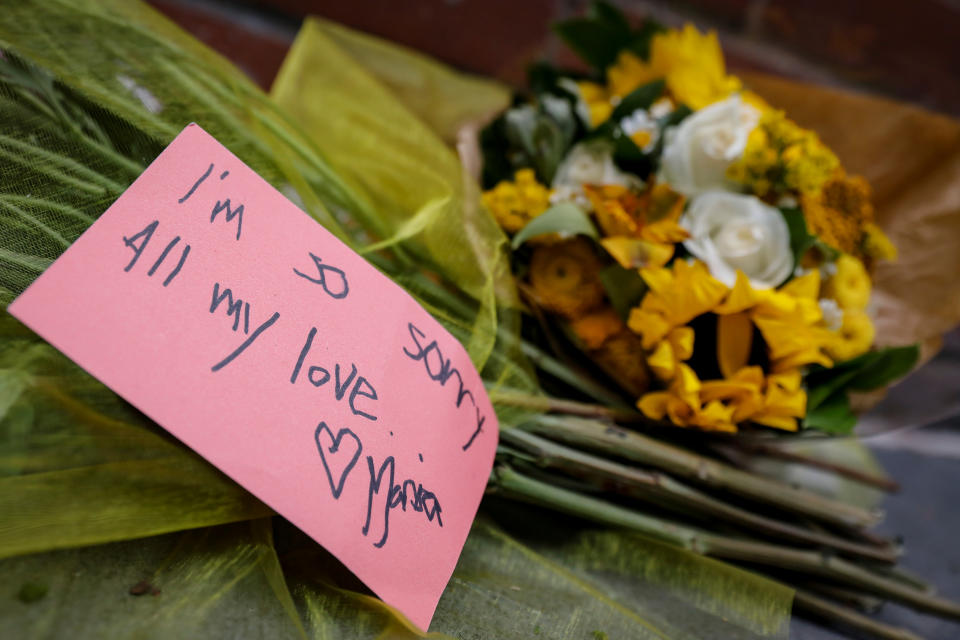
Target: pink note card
x=218, y=308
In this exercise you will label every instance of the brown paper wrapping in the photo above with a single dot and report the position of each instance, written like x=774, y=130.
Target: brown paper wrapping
x=912, y=159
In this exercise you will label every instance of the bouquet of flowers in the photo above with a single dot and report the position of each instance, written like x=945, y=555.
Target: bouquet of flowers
x=709, y=255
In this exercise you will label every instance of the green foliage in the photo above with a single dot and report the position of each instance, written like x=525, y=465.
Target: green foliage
x=565, y=218
x=828, y=406
x=626, y=154
x=625, y=288
x=600, y=36
x=640, y=98
x=536, y=136
x=832, y=415
x=800, y=237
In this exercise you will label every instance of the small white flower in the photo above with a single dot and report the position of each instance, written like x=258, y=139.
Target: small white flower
x=661, y=108
x=732, y=232
x=787, y=202
x=832, y=313
x=697, y=153
x=589, y=163
x=641, y=121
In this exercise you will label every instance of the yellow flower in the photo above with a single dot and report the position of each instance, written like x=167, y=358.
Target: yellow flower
x=676, y=297
x=565, y=277
x=839, y=212
x=516, y=203
x=781, y=156
x=615, y=207
x=854, y=338
x=597, y=327
x=621, y=357
x=641, y=230
x=850, y=286
x=789, y=319
x=876, y=244
x=597, y=99
x=690, y=62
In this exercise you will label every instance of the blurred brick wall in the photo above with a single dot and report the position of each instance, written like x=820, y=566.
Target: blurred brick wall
x=909, y=51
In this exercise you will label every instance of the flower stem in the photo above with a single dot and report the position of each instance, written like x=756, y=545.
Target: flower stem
x=577, y=380
x=862, y=477
x=609, y=439
x=822, y=565
x=660, y=489
x=547, y=404
x=817, y=607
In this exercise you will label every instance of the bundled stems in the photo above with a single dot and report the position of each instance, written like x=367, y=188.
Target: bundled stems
x=811, y=563
x=663, y=490
x=773, y=451
x=607, y=438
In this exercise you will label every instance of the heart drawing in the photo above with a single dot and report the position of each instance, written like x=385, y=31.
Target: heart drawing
x=334, y=449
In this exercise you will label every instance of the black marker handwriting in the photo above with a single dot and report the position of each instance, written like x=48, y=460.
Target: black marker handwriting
x=441, y=370
x=319, y=376
x=338, y=288
x=231, y=212
x=234, y=307
x=395, y=495
x=327, y=452
x=138, y=244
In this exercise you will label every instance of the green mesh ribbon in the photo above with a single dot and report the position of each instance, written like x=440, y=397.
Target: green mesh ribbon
x=90, y=92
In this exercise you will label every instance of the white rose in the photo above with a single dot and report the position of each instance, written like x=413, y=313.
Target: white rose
x=588, y=163
x=731, y=232
x=698, y=151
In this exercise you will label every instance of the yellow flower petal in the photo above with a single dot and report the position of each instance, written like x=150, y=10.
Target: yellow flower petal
x=682, y=340
x=654, y=404
x=805, y=286
x=633, y=253
x=854, y=338
x=777, y=422
x=850, y=286
x=876, y=244
x=734, y=341
x=741, y=297
x=663, y=361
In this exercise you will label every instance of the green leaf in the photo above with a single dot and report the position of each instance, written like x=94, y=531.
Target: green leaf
x=599, y=37
x=871, y=370
x=833, y=415
x=800, y=237
x=606, y=13
x=596, y=43
x=565, y=218
x=642, y=37
x=625, y=288
x=536, y=136
x=640, y=98
x=886, y=366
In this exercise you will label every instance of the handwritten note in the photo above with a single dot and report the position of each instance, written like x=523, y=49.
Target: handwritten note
x=232, y=319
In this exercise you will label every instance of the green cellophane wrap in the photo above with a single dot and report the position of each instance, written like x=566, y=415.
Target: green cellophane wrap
x=95, y=498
